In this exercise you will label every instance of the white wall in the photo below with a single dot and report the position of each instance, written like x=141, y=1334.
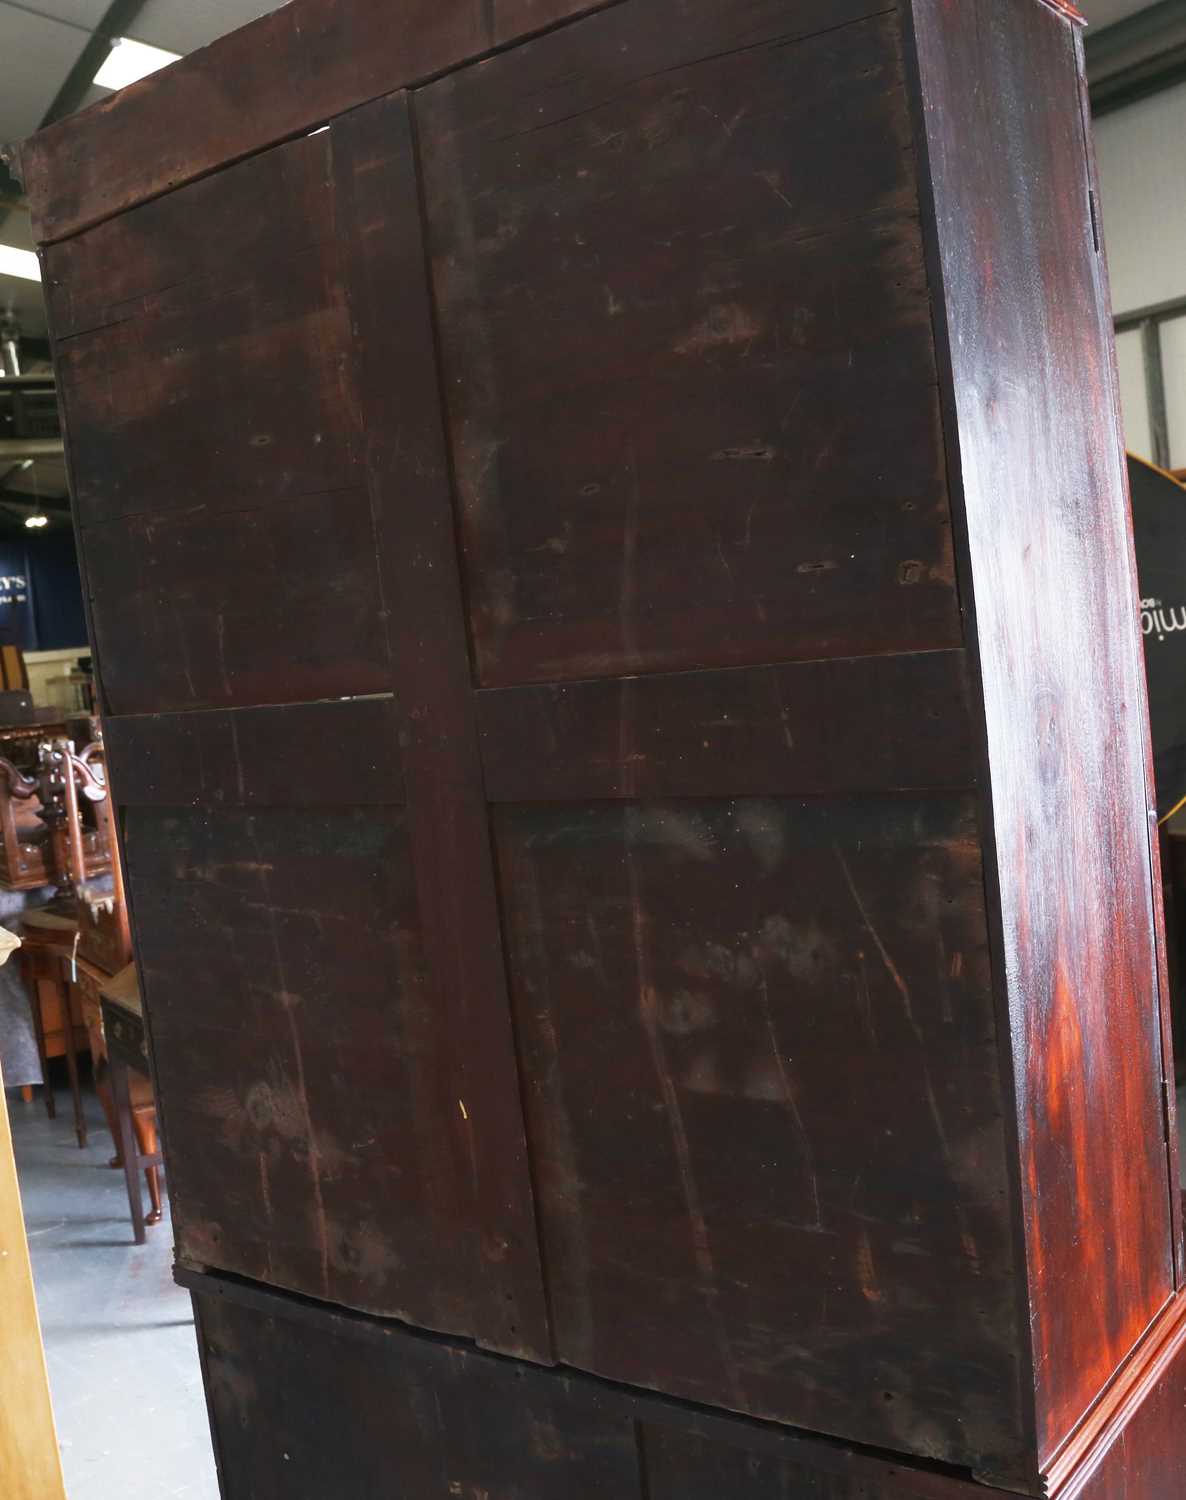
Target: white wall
x=49, y=678
x=1142, y=166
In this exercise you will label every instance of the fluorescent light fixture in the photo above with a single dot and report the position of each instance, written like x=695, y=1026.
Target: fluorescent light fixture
x=35, y=521
x=22, y=263
x=129, y=61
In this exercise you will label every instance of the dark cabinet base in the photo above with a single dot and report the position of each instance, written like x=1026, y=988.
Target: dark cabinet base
x=308, y=1401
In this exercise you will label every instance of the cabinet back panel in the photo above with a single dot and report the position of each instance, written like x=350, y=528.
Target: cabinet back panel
x=692, y=425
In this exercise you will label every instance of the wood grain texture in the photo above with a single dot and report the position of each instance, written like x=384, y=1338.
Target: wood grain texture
x=1049, y=558
x=1141, y=1454
x=278, y=605
x=437, y=1418
x=249, y=319
x=526, y=1431
x=313, y=1131
x=318, y=572
x=749, y=731
x=30, y=1468
x=423, y=1421
x=278, y=76
x=342, y=754
x=687, y=1466
x=659, y=394
x=563, y=455
x=412, y=516
x=796, y=1206
x=246, y=324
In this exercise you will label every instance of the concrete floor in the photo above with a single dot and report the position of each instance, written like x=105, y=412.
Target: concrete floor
x=119, y=1336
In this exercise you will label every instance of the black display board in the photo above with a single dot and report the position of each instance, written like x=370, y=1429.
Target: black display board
x=1159, y=528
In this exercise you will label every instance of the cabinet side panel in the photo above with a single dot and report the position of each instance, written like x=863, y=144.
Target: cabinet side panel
x=1055, y=602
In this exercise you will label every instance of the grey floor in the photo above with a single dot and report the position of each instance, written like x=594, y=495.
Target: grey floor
x=119, y=1337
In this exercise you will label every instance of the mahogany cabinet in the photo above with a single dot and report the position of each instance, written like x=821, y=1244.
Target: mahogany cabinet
x=607, y=546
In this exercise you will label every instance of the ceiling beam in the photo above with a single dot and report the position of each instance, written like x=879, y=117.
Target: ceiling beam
x=14, y=448
x=1138, y=56
x=116, y=21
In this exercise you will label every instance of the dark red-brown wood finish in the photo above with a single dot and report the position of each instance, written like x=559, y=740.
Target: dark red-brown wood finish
x=446, y=1420
x=1040, y=466
x=340, y=916
x=609, y=576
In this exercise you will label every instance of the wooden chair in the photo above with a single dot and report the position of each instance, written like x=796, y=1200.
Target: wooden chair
x=24, y=850
x=127, y=1095
x=51, y=831
x=72, y=788
x=101, y=966
x=82, y=938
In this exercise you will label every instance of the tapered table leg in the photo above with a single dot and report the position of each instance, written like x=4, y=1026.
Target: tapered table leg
x=72, y=1062
x=122, y=1098
x=32, y=979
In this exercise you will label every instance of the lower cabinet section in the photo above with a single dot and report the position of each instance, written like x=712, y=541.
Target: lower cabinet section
x=309, y=1402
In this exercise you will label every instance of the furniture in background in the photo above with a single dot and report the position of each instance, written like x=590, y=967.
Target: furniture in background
x=19, y=743
x=54, y=677
x=635, y=810
x=47, y=953
x=21, y=1053
x=132, y=1103
x=24, y=853
x=86, y=924
x=77, y=953
x=14, y=676
x=43, y=831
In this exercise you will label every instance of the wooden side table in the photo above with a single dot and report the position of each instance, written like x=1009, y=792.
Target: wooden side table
x=127, y=1049
x=47, y=947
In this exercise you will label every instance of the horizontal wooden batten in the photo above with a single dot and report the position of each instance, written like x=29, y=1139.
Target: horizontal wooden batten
x=278, y=76
x=338, y=753
x=92, y=165
x=777, y=730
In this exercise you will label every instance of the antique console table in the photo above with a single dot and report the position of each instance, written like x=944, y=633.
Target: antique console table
x=48, y=953
x=127, y=1052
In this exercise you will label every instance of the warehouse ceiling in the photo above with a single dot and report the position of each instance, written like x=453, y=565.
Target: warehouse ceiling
x=50, y=51
x=44, y=73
